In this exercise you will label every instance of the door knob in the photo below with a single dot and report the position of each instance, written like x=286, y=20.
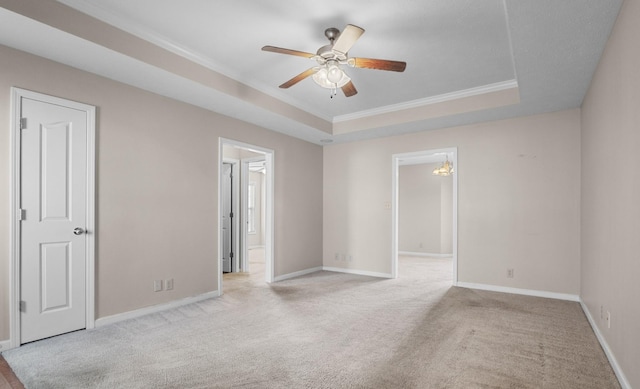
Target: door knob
x=78, y=231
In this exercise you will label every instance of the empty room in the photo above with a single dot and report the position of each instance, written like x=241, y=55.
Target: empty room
x=268, y=194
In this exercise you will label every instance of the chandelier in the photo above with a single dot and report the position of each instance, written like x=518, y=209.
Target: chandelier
x=444, y=170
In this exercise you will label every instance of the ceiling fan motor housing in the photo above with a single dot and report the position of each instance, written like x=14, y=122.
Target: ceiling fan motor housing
x=331, y=33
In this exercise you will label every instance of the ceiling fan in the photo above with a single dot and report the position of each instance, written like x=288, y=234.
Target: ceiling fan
x=330, y=58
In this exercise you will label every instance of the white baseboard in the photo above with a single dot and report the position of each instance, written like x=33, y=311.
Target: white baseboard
x=526, y=292
x=103, y=321
x=624, y=383
x=297, y=274
x=333, y=269
x=5, y=345
x=418, y=254
x=358, y=272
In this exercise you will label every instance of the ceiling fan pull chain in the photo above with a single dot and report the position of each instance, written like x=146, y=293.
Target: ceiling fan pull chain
x=334, y=90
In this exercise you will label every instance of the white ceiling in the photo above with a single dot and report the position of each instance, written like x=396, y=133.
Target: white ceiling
x=545, y=50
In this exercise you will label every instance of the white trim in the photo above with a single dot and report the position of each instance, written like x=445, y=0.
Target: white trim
x=297, y=273
x=14, y=230
x=420, y=157
x=624, y=383
x=418, y=254
x=357, y=272
x=480, y=90
x=244, y=189
x=107, y=320
x=525, y=292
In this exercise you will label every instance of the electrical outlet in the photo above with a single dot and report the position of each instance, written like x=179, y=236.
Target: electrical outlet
x=608, y=319
x=157, y=286
x=343, y=257
x=168, y=284
x=350, y=258
x=509, y=273
x=337, y=257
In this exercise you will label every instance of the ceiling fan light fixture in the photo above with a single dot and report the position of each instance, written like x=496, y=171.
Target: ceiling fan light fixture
x=334, y=73
x=331, y=77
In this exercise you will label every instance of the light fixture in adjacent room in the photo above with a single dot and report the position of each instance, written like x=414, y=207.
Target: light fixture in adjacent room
x=444, y=170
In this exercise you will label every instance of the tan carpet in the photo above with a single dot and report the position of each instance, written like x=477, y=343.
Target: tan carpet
x=330, y=330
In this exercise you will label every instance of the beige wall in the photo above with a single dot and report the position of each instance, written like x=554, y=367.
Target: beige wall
x=518, y=200
x=611, y=193
x=421, y=213
x=157, y=181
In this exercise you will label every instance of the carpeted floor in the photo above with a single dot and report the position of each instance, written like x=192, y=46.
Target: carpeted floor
x=331, y=330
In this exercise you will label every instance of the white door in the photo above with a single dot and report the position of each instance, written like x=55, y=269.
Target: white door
x=53, y=242
x=227, y=217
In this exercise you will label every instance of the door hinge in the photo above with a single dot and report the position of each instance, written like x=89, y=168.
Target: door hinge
x=231, y=255
x=23, y=123
x=231, y=215
x=23, y=306
x=22, y=214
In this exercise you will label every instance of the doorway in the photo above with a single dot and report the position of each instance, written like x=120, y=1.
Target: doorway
x=449, y=242
x=53, y=208
x=247, y=156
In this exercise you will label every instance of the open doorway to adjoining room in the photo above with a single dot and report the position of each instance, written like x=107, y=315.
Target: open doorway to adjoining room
x=425, y=209
x=246, y=212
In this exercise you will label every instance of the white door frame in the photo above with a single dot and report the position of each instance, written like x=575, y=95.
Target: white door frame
x=269, y=212
x=414, y=158
x=14, y=244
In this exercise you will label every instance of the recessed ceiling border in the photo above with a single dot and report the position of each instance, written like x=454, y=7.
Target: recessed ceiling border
x=495, y=87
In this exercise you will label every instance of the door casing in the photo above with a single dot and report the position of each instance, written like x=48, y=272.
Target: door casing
x=14, y=244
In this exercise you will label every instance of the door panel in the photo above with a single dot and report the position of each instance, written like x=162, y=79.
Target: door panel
x=55, y=170
x=227, y=225
x=53, y=194
x=55, y=280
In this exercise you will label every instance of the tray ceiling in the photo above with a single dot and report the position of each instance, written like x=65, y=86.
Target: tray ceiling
x=467, y=61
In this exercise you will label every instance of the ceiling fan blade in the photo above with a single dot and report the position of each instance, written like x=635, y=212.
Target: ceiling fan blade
x=280, y=50
x=347, y=38
x=299, y=78
x=349, y=89
x=380, y=64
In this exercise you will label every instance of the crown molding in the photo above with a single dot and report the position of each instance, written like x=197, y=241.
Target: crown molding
x=496, y=87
